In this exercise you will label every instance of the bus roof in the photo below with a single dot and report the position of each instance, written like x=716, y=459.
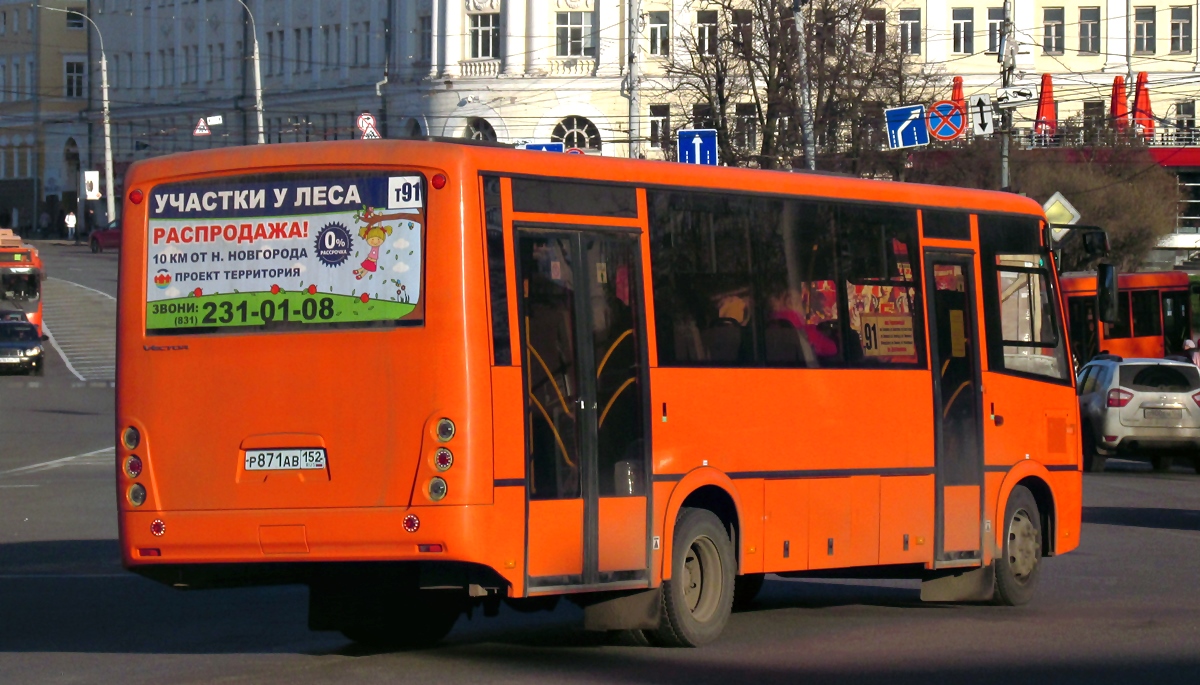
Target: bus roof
x=472, y=159
x=1084, y=282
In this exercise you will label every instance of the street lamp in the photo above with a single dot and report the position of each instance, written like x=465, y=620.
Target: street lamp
x=258, y=103
x=108, y=167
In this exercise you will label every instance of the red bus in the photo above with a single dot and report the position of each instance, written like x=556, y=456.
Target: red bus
x=1153, y=315
x=419, y=376
x=20, y=277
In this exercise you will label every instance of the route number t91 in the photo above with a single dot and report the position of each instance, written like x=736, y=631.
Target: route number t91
x=405, y=192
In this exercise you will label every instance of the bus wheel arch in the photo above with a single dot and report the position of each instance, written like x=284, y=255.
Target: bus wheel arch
x=708, y=489
x=1035, y=478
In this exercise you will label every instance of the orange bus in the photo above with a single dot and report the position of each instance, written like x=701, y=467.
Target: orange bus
x=1153, y=315
x=20, y=277
x=421, y=376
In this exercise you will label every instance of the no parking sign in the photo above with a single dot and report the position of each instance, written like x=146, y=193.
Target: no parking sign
x=946, y=120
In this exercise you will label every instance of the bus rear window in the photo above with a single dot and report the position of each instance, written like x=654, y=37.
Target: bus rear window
x=286, y=252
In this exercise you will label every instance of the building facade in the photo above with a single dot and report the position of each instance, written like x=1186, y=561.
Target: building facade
x=43, y=92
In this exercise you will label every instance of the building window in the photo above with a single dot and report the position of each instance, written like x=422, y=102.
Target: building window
x=147, y=69
x=876, y=30
x=964, y=30
x=3, y=80
x=1052, y=20
x=1089, y=30
x=75, y=17
x=485, y=36
x=745, y=127
x=309, y=56
x=576, y=36
x=3, y=23
x=270, y=52
x=279, y=53
x=426, y=30
x=1181, y=29
x=577, y=132
x=479, y=129
x=706, y=32
x=660, y=33
x=115, y=82
x=74, y=78
x=1143, y=30
x=995, y=28
x=221, y=60
x=910, y=31
x=660, y=127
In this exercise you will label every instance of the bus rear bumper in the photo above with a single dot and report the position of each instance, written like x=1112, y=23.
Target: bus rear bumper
x=231, y=542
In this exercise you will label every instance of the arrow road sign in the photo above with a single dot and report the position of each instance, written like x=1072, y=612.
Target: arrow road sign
x=982, y=115
x=947, y=121
x=1014, y=97
x=544, y=147
x=698, y=146
x=906, y=126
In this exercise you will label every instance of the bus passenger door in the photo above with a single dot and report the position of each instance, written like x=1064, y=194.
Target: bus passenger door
x=584, y=361
x=958, y=416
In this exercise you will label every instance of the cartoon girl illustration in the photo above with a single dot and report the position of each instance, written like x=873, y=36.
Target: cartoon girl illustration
x=374, y=234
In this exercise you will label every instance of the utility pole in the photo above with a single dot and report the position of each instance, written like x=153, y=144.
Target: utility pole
x=635, y=123
x=1008, y=59
x=806, y=117
x=258, y=101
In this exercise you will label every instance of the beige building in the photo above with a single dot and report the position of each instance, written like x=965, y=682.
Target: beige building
x=43, y=90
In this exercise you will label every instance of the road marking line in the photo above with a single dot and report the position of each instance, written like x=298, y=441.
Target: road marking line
x=46, y=330
x=22, y=485
x=55, y=463
x=79, y=285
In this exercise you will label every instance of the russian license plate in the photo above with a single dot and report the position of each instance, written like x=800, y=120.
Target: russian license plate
x=285, y=460
x=1172, y=414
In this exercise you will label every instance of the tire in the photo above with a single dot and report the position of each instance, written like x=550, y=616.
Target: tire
x=698, y=599
x=421, y=621
x=745, y=588
x=1018, y=568
x=95, y=246
x=1160, y=463
x=1093, y=461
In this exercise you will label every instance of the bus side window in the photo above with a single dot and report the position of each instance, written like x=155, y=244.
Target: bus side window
x=1120, y=329
x=1147, y=317
x=497, y=270
x=1029, y=335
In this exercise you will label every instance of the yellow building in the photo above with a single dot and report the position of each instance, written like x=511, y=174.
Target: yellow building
x=43, y=90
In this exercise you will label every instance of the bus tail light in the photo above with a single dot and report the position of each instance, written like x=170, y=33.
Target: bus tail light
x=157, y=527
x=133, y=466
x=1118, y=397
x=439, y=181
x=443, y=459
x=149, y=552
x=411, y=523
x=135, y=196
x=429, y=549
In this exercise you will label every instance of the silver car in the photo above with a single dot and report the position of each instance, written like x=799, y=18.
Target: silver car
x=1146, y=409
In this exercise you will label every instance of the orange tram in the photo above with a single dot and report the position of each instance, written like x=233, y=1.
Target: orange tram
x=421, y=377
x=1153, y=318
x=21, y=273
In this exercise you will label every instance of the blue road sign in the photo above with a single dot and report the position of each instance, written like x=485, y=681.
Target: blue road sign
x=545, y=147
x=906, y=126
x=947, y=120
x=698, y=146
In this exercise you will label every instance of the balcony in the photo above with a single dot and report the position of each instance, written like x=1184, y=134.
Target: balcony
x=479, y=68
x=572, y=66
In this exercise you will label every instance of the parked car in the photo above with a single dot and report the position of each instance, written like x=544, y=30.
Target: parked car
x=21, y=348
x=1144, y=409
x=106, y=237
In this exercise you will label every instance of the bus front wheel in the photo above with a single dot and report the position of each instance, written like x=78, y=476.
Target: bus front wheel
x=1017, y=568
x=697, y=600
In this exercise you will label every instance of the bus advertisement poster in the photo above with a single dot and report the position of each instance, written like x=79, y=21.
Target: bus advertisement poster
x=269, y=250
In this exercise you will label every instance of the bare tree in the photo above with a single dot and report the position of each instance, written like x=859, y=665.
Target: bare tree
x=736, y=72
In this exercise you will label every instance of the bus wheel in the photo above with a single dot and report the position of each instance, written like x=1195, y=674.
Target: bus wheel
x=1160, y=463
x=1017, y=569
x=1093, y=461
x=422, y=621
x=746, y=588
x=696, y=602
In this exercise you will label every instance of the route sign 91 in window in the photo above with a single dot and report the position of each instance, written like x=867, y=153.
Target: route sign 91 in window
x=286, y=252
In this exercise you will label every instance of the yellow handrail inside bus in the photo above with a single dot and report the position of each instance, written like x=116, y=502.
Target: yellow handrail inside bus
x=557, y=437
x=612, y=348
x=612, y=399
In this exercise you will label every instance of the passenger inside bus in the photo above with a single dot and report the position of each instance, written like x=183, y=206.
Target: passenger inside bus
x=19, y=286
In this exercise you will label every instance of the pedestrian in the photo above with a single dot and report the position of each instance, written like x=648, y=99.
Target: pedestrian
x=70, y=221
x=1191, y=352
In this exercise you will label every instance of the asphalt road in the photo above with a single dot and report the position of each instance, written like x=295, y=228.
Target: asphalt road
x=1124, y=608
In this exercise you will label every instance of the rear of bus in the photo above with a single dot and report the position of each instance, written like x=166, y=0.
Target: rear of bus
x=20, y=279
x=298, y=330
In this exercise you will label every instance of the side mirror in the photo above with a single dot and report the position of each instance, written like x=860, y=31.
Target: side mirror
x=1095, y=243
x=1106, y=293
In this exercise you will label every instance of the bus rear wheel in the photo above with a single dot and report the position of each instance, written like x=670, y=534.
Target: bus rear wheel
x=1019, y=565
x=416, y=620
x=697, y=600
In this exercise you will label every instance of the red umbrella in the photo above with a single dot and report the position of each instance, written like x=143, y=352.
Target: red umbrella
x=1143, y=116
x=1047, y=118
x=1119, y=110
x=956, y=96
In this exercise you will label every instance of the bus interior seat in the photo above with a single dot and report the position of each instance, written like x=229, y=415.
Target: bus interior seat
x=723, y=340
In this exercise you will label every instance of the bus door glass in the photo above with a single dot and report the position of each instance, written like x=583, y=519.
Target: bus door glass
x=1176, y=323
x=1084, y=342
x=582, y=352
x=958, y=416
